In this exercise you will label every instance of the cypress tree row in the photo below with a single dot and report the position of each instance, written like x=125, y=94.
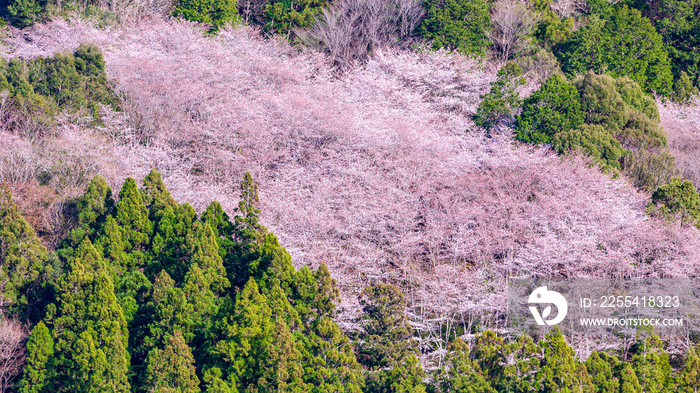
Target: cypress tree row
x=151, y=297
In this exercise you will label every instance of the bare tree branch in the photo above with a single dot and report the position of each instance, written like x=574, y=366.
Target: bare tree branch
x=511, y=26
x=12, y=352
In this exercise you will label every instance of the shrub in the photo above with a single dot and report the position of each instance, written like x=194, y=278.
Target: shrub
x=555, y=107
x=552, y=29
x=40, y=88
x=457, y=25
x=594, y=141
x=24, y=13
x=540, y=65
x=676, y=201
x=72, y=80
x=283, y=16
x=632, y=94
x=649, y=170
x=641, y=132
x=626, y=44
x=600, y=100
x=212, y=12
x=500, y=104
x=18, y=78
x=622, y=108
x=683, y=89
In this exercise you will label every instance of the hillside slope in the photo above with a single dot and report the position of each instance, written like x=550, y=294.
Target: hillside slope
x=378, y=172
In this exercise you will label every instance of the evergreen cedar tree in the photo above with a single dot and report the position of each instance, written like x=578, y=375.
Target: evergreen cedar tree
x=110, y=323
x=626, y=44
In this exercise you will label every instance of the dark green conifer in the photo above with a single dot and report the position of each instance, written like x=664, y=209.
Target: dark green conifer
x=488, y=353
x=206, y=281
x=22, y=255
x=256, y=348
x=132, y=217
x=171, y=248
x=171, y=369
x=600, y=368
x=651, y=365
x=628, y=379
x=387, y=335
x=560, y=370
x=156, y=196
x=520, y=375
x=689, y=378
x=90, y=332
x=37, y=371
x=554, y=108
x=95, y=205
x=461, y=374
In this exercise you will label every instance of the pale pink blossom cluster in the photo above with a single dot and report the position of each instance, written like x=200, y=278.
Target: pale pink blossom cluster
x=378, y=172
x=682, y=124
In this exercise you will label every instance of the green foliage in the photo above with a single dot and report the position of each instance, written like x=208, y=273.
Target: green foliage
x=611, y=120
x=595, y=142
x=24, y=13
x=172, y=368
x=560, y=371
x=89, y=328
x=458, y=25
x=405, y=376
x=600, y=368
x=554, y=108
x=501, y=103
x=40, y=350
x=683, y=89
x=551, y=29
x=651, y=366
x=43, y=87
x=689, y=378
x=629, y=383
x=255, y=347
x=678, y=21
x=620, y=107
x=648, y=170
x=677, y=201
x=387, y=335
x=283, y=16
x=460, y=373
x=624, y=45
x=24, y=269
x=211, y=12
x=115, y=323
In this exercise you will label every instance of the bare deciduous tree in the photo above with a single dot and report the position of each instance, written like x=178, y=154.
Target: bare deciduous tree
x=12, y=352
x=511, y=26
x=252, y=10
x=566, y=8
x=349, y=30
